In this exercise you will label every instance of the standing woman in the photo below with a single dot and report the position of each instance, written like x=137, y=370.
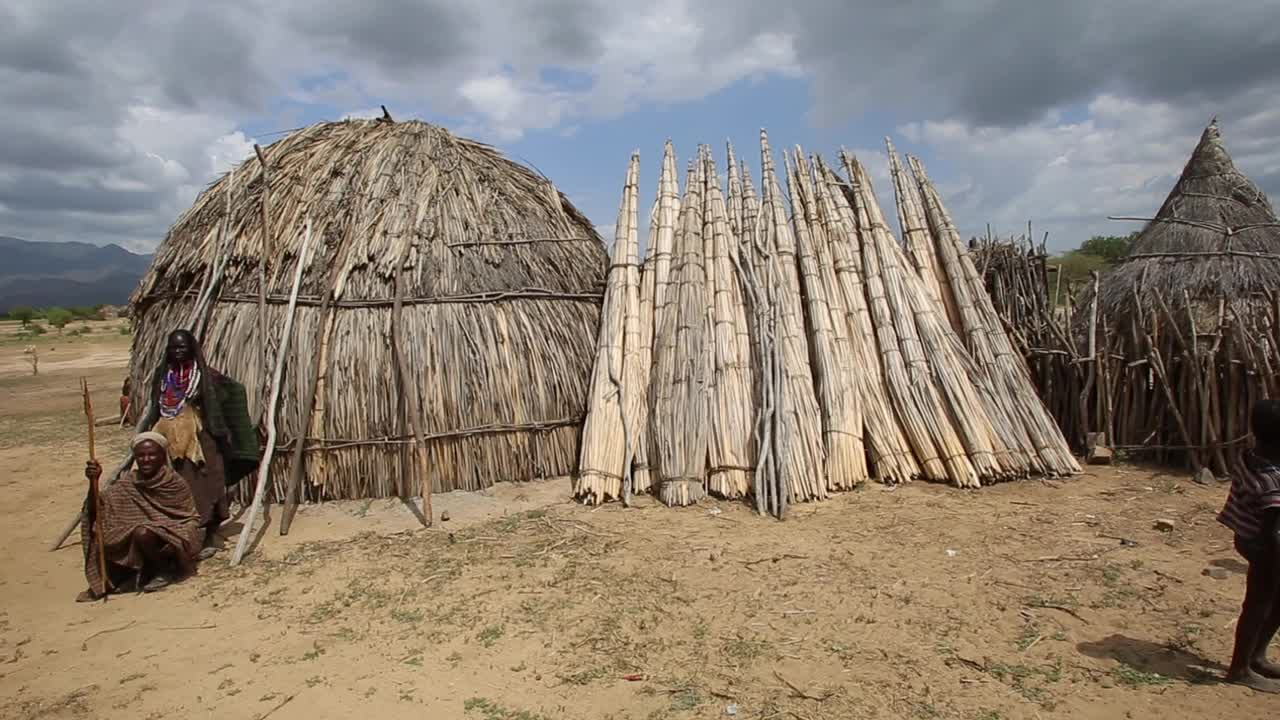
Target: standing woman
x=204, y=416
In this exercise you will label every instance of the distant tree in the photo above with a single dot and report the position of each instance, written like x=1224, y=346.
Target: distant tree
x=58, y=317
x=83, y=312
x=1111, y=248
x=1076, y=266
x=23, y=314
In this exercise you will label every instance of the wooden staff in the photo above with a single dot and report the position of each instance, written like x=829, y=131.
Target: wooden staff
x=95, y=502
x=264, y=466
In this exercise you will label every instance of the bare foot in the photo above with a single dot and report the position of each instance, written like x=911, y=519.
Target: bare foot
x=1266, y=669
x=86, y=596
x=1253, y=680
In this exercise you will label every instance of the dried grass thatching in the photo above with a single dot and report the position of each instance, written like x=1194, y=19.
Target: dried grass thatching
x=1216, y=235
x=501, y=290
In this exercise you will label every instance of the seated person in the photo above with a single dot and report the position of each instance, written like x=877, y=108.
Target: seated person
x=151, y=532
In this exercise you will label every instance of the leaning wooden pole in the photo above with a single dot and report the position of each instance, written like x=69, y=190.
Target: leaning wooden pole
x=264, y=467
x=297, y=462
x=267, y=250
x=413, y=404
x=801, y=455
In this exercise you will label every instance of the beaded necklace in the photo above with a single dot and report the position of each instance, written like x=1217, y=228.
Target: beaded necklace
x=179, y=385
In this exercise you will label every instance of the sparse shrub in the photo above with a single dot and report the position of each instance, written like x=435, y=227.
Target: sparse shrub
x=22, y=314
x=58, y=317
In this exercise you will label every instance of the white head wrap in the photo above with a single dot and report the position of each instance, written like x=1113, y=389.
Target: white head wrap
x=149, y=436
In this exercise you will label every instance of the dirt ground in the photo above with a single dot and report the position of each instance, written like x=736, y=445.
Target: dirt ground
x=1030, y=600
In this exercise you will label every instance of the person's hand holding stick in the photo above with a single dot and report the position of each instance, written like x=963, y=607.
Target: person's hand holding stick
x=93, y=471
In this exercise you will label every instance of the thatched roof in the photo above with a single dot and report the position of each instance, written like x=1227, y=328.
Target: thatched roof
x=1215, y=235
x=502, y=280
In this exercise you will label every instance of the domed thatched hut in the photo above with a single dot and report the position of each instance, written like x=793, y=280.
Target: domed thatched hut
x=1192, y=313
x=490, y=279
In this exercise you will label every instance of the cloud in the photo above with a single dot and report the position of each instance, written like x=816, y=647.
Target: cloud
x=1068, y=177
x=118, y=113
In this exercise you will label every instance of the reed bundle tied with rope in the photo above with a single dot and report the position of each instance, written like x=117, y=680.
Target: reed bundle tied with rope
x=607, y=435
x=732, y=410
x=832, y=354
x=1034, y=429
x=800, y=353
x=682, y=361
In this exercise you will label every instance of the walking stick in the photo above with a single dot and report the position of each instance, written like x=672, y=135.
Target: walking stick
x=95, y=526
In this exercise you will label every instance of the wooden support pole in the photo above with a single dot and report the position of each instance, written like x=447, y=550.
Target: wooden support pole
x=292, y=492
x=268, y=248
x=413, y=405
x=264, y=467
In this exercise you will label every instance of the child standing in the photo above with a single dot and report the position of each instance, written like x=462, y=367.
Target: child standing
x=1253, y=514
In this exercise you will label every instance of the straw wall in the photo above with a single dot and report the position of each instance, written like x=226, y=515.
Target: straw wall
x=502, y=291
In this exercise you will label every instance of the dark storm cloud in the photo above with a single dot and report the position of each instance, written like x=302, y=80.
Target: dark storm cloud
x=1006, y=62
x=395, y=35
x=74, y=72
x=39, y=193
x=208, y=56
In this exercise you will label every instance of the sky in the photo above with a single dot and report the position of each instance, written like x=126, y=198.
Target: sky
x=115, y=115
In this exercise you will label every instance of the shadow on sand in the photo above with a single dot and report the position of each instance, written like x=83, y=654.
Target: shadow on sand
x=1150, y=657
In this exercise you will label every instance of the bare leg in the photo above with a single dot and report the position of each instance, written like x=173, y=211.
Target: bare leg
x=1255, y=616
x=1259, y=663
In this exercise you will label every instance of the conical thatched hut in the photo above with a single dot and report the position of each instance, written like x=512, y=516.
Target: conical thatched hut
x=1180, y=339
x=1215, y=236
x=488, y=277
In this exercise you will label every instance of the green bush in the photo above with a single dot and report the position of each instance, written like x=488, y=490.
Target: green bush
x=23, y=314
x=58, y=317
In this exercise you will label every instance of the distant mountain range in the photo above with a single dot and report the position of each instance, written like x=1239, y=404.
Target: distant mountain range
x=66, y=274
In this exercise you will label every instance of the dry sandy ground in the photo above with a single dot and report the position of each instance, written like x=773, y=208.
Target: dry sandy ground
x=1018, y=601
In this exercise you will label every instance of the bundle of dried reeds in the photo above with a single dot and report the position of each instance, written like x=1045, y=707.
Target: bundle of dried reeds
x=922, y=413
x=800, y=452
x=832, y=356
x=915, y=234
x=614, y=406
x=1030, y=427
x=891, y=456
x=679, y=421
x=732, y=455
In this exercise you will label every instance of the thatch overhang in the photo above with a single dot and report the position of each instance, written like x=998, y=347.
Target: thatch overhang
x=501, y=285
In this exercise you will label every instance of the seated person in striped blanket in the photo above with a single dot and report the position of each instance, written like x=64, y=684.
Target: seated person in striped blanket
x=1253, y=514
x=150, y=530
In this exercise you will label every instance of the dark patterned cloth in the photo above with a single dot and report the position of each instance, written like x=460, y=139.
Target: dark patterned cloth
x=161, y=504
